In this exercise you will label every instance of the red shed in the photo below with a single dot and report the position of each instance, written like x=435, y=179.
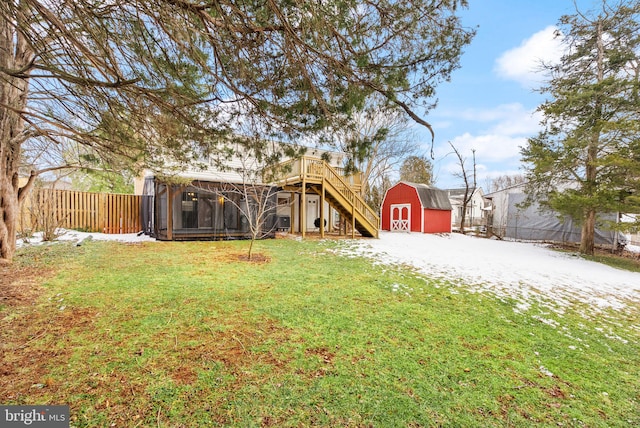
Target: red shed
x=415, y=207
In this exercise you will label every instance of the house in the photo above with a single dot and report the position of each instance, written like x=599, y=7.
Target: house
x=415, y=207
x=476, y=207
x=310, y=193
x=510, y=218
x=499, y=213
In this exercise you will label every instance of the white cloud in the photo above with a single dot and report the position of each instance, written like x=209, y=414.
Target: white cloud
x=523, y=63
x=520, y=122
x=448, y=171
x=497, y=145
x=507, y=128
x=511, y=118
x=488, y=147
x=496, y=155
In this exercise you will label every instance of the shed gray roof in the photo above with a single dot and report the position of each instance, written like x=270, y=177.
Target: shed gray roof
x=430, y=197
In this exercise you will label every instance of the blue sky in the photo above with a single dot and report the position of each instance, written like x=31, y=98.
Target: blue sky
x=490, y=102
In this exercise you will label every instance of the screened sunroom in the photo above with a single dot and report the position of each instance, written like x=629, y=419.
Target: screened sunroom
x=208, y=210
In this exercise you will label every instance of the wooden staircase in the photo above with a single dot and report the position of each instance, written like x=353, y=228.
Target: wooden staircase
x=340, y=191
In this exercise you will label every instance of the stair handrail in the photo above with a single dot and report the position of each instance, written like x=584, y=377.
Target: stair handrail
x=312, y=168
x=347, y=192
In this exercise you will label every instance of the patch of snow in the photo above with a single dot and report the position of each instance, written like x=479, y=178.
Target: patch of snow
x=525, y=272
x=549, y=322
x=545, y=371
x=632, y=248
x=75, y=236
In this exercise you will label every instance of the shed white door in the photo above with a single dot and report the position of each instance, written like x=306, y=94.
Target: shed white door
x=401, y=217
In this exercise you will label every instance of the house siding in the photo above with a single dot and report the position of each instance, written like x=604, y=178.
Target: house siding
x=475, y=214
x=211, y=224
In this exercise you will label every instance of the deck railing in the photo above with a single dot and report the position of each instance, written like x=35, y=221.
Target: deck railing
x=346, y=191
x=292, y=169
x=317, y=171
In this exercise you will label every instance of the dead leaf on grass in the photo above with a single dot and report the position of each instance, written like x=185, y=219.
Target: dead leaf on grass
x=20, y=286
x=255, y=258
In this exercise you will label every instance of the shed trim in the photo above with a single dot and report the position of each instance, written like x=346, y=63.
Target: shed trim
x=400, y=224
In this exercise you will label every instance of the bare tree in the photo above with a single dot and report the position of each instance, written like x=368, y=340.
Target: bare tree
x=504, y=181
x=469, y=181
x=45, y=212
x=257, y=206
x=255, y=199
x=377, y=140
x=375, y=197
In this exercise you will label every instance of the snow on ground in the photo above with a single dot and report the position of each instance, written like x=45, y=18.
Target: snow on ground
x=523, y=271
x=75, y=236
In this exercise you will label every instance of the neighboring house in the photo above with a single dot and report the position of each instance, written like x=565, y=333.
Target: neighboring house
x=412, y=207
x=499, y=204
x=634, y=232
x=476, y=208
x=510, y=219
x=311, y=194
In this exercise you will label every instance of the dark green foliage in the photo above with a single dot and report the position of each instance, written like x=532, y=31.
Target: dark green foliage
x=587, y=159
x=150, y=76
x=360, y=149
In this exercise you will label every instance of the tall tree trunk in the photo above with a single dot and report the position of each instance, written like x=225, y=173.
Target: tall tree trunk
x=463, y=215
x=10, y=192
x=9, y=212
x=15, y=55
x=587, y=240
x=587, y=237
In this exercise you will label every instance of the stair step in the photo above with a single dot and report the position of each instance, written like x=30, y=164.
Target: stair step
x=338, y=193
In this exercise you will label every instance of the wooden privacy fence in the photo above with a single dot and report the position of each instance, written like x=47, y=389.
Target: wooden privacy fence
x=86, y=211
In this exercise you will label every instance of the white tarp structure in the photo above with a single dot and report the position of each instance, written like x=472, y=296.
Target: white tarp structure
x=512, y=221
x=531, y=224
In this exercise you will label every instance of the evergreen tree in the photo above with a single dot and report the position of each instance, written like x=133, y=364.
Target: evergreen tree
x=587, y=159
x=416, y=169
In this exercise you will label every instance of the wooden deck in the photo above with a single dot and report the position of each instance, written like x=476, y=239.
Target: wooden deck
x=314, y=175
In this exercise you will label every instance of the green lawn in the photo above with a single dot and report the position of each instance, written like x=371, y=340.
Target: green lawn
x=185, y=334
